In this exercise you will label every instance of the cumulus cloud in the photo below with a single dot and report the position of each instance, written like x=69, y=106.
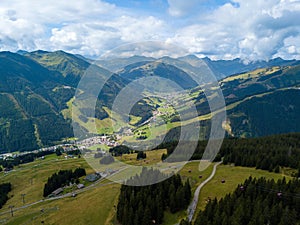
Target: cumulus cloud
x=252, y=30
x=255, y=30
x=28, y=24
x=92, y=38
x=87, y=27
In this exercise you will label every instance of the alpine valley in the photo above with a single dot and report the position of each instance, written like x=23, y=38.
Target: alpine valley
x=50, y=176
x=37, y=90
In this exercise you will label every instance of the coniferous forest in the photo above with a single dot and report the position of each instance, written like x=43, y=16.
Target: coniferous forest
x=145, y=205
x=256, y=202
x=4, y=190
x=266, y=153
x=62, y=178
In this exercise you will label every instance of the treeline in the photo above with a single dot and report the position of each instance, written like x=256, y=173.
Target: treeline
x=74, y=152
x=123, y=149
x=120, y=150
x=145, y=205
x=62, y=178
x=256, y=202
x=60, y=150
x=21, y=159
x=4, y=190
x=266, y=153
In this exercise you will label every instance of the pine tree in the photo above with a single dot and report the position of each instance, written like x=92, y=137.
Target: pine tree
x=188, y=192
x=147, y=217
x=255, y=205
x=147, y=203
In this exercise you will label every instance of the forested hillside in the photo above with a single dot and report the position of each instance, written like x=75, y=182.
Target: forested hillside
x=267, y=153
x=145, y=205
x=255, y=202
x=30, y=116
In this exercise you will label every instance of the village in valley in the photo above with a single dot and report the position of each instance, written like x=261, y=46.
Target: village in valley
x=68, y=151
x=70, y=146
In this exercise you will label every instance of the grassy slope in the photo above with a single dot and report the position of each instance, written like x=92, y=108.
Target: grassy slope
x=104, y=126
x=80, y=210
x=96, y=206
x=92, y=207
x=153, y=157
x=233, y=176
x=253, y=74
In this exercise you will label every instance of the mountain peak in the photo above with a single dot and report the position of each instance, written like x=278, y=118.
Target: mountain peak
x=38, y=52
x=21, y=52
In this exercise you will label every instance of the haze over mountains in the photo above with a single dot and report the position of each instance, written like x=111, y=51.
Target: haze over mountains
x=36, y=89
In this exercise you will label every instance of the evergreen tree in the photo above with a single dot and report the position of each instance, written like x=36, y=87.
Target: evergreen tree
x=59, y=151
x=62, y=178
x=146, y=204
x=141, y=155
x=147, y=217
x=257, y=203
x=5, y=188
x=267, y=153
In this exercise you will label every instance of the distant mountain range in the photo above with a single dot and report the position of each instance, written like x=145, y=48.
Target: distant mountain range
x=225, y=68
x=37, y=88
x=220, y=68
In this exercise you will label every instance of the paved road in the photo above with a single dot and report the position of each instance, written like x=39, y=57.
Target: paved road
x=192, y=207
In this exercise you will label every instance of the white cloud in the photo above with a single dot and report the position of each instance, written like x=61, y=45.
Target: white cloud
x=241, y=28
x=57, y=11
x=93, y=38
x=87, y=27
x=291, y=49
x=254, y=30
x=28, y=23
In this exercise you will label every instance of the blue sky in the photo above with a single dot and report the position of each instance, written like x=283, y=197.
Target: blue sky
x=219, y=29
x=162, y=5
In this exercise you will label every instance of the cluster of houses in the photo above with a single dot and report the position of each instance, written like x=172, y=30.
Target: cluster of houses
x=105, y=140
x=81, y=145
x=7, y=155
x=66, y=147
x=89, y=178
x=125, y=131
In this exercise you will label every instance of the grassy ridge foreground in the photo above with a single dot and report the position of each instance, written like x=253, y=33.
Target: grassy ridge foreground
x=96, y=206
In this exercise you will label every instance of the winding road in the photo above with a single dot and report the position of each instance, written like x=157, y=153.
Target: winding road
x=190, y=211
x=192, y=207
